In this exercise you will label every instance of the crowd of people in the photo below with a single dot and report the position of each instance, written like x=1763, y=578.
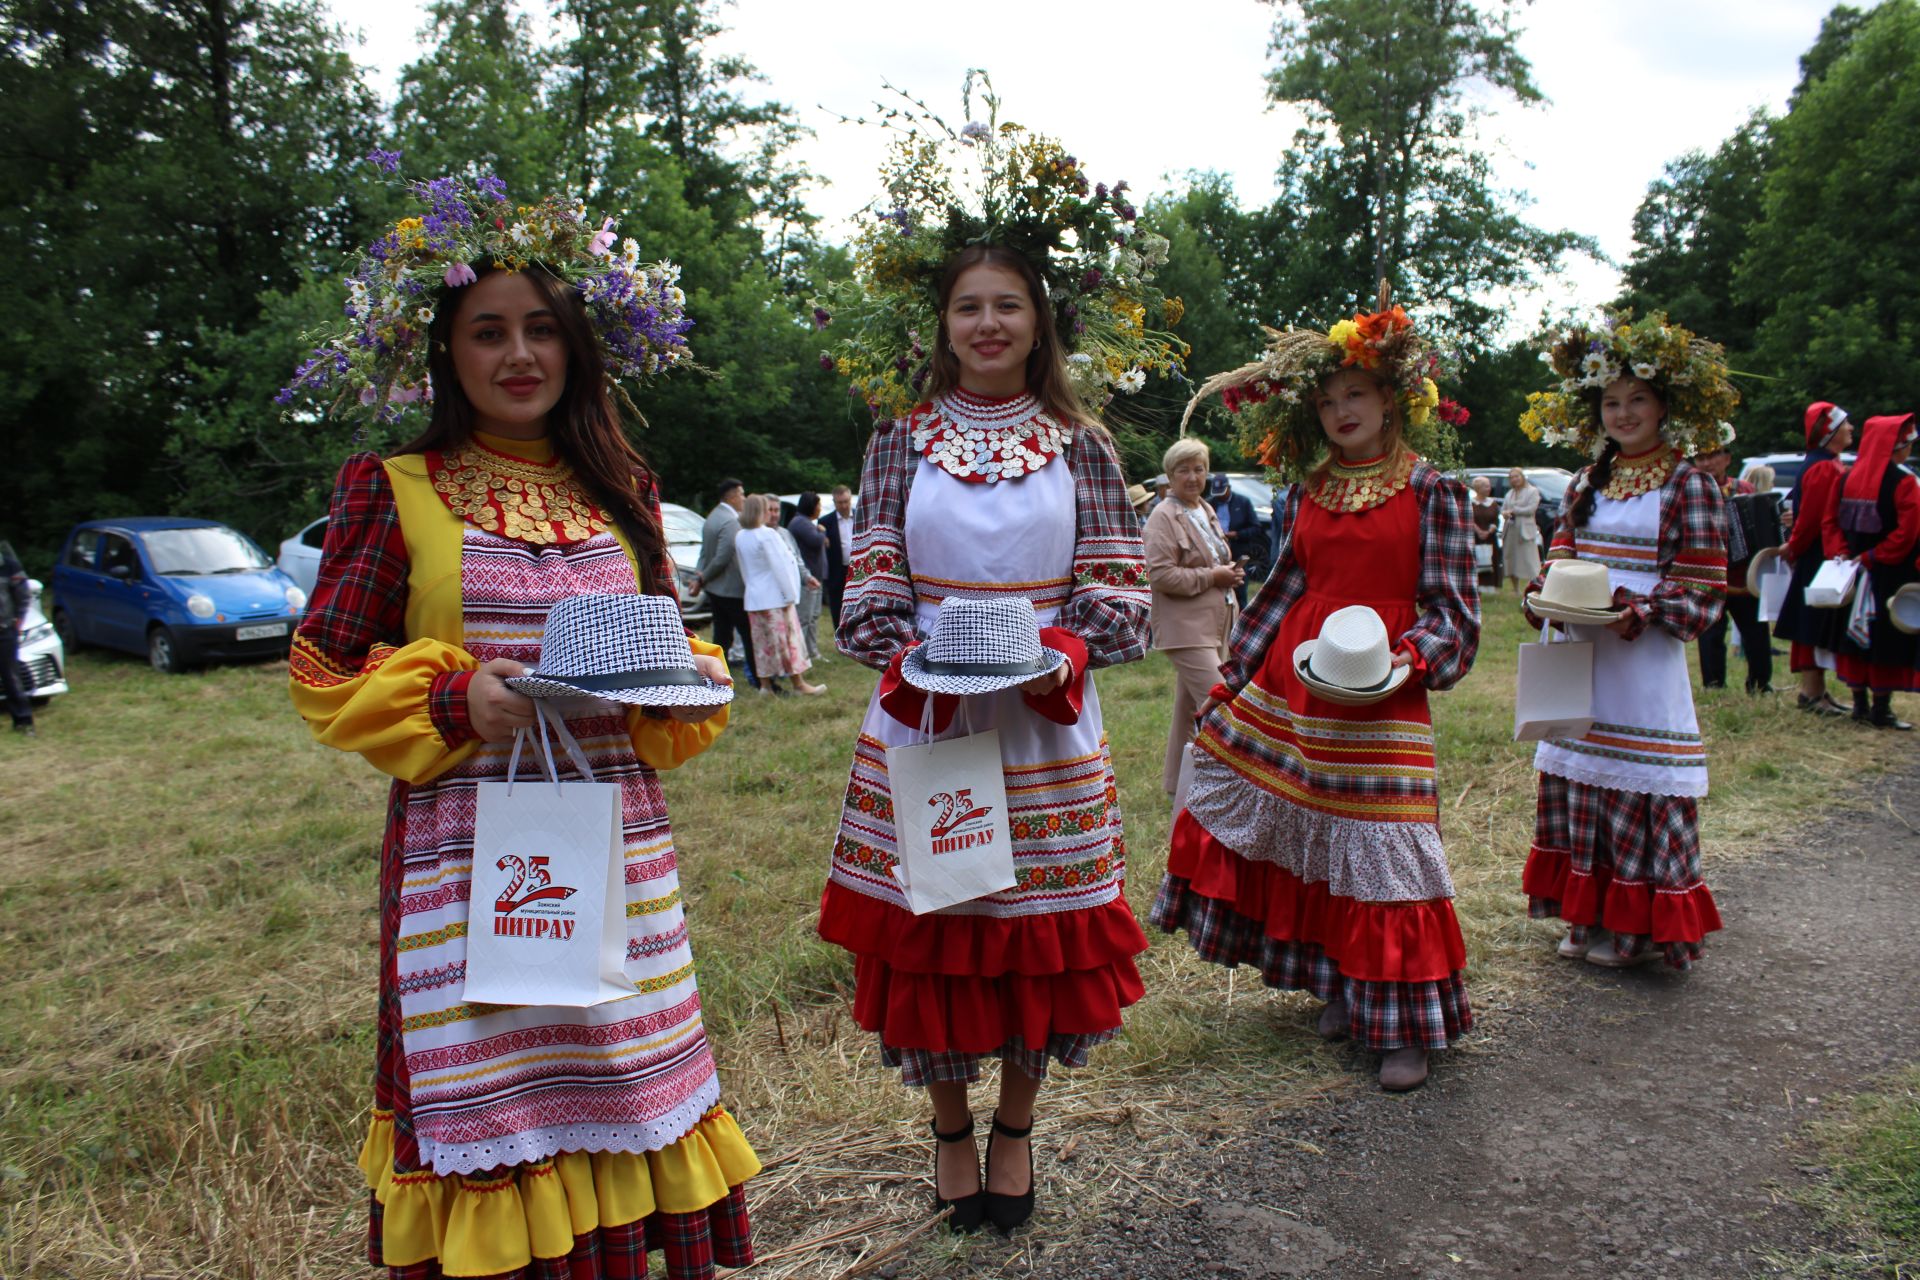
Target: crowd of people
x=473, y=590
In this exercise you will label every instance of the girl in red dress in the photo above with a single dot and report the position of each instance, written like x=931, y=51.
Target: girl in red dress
x=1310, y=843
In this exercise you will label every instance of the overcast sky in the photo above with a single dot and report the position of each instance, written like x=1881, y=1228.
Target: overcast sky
x=1149, y=92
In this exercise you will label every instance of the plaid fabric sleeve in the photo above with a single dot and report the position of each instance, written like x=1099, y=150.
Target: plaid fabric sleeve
x=1693, y=557
x=1447, y=634
x=1110, y=600
x=876, y=614
x=1260, y=622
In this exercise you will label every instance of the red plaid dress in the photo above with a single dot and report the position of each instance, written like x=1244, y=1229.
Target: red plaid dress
x=1616, y=826
x=1038, y=973
x=1310, y=844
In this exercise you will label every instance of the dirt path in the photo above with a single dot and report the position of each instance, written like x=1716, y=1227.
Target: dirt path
x=1637, y=1124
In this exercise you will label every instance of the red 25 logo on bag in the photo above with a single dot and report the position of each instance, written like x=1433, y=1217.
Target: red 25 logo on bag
x=530, y=874
x=961, y=823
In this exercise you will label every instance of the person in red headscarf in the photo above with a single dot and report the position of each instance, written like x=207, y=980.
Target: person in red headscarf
x=1879, y=516
x=1815, y=539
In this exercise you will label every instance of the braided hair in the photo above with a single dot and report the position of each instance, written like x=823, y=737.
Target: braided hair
x=1598, y=477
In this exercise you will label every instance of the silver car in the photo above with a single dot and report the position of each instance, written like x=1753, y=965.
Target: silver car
x=41, y=655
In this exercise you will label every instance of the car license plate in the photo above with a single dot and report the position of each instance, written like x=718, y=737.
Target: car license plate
x=260, y=632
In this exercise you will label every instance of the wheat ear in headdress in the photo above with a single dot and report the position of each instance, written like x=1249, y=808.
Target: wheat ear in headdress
x=1288, y=351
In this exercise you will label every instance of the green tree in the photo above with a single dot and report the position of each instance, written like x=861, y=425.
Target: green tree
x=1386, y=178
x=477, y=101
x=1691, y=231
x=1833, y=265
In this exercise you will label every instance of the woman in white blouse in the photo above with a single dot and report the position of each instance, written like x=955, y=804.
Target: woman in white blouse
x=1519, y=530
x=772, y=574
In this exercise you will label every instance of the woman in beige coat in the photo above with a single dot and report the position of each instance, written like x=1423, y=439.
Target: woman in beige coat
x=1193, y=576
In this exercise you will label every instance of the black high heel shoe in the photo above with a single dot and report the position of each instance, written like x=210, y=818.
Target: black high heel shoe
x=1004, y=1211
x=966, y=1211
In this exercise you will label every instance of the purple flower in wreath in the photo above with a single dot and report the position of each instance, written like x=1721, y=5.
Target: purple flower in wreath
x=1091, y=280
x=602, y=240
x=384, y=161
x=821, y=318
x=459, y=275
x=826, y=362
x=974, y=131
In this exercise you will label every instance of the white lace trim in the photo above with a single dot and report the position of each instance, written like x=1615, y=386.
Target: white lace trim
x=1364, y=861
x=530, y=1145
x=1564, y=764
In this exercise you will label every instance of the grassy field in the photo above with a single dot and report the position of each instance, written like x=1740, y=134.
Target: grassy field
x=187, y=899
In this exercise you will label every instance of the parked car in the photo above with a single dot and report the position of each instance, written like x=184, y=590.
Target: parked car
x=682, y=527
x=179, y=590
x=300, y=555
x=1552, y=483
x=41, y=657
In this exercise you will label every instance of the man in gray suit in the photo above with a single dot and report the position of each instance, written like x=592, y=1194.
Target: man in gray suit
x=719, y=573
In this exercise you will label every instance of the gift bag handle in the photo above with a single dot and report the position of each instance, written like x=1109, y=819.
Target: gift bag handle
x=542, y=715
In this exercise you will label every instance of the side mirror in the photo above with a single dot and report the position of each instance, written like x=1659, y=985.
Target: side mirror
x=121, y=571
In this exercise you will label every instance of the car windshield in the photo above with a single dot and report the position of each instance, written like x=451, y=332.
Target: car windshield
x=1253, y=489
x=213, y=550
x=1551, y=484
x=680, y=525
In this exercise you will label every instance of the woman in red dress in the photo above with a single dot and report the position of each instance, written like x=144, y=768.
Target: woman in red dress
x=1310, y=844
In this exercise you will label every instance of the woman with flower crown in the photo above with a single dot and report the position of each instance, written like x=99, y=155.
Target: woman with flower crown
x=1310, y=844
x=508, y=1140
x=1616, y=845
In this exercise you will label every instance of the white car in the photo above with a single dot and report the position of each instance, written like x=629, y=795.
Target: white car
x=300, y=555
x=41, y=655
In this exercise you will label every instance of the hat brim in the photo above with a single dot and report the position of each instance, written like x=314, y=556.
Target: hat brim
x=913, y=670
x=1396, y=677
x=1910, y=622
x=705, y=694
x=1567, y=613
x=1762, y=560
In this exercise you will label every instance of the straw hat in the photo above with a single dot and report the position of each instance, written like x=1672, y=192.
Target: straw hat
x=980, y=646
x=1762, y=562
x=624, y=648
x=1576, y=591
x=1350, y=661
x=1903, y=608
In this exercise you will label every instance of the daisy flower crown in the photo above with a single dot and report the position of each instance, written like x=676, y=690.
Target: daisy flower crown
x=372, y=363
x=1274, y=396
x=996, y=183
x=1689, y=372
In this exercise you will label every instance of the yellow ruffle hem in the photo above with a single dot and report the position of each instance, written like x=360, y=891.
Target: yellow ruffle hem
x=483, y=1226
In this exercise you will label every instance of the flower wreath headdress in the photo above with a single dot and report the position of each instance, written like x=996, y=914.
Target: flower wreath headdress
x=994, y=182
x=372, y=363
x=1689, y=372
x=1274, y=396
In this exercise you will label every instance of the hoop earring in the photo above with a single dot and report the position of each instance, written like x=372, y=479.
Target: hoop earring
x=951, y=351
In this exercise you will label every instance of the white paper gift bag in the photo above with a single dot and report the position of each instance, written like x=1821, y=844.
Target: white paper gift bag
x=1833, y=585
x=950, y=820
x=1554, y=698
x=547, y=919
x=1772, y=590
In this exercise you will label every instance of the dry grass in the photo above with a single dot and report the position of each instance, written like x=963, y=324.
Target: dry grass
x=189, y=915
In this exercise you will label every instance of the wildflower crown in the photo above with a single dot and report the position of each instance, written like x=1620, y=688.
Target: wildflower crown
x=373, y=363
x=1274, y=395
x=1689, y=372
x=997, y=183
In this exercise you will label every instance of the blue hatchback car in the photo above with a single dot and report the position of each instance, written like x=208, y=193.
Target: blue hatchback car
x=180, y=591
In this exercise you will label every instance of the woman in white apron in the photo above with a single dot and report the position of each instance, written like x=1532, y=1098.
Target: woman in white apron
x=1616, y=848
x=999, y=485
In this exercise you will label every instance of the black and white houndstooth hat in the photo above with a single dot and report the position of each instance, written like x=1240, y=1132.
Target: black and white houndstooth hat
x=623, y=648
x=980, y=646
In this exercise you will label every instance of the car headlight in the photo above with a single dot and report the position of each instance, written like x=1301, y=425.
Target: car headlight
x=296, y=598
x=199, y=606
x=36, y=633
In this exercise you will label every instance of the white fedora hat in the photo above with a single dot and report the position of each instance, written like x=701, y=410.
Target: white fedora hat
x=1576, y=591
x=980, y=646
x=1350, y=661
x=1903, y=608
x=624, y=648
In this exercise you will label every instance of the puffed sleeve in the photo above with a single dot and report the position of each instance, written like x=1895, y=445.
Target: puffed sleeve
x=1692, y=589
x=1109, y=602
x=1447, y=634
x=876, y=614
x=665, y=743
x=356, y=679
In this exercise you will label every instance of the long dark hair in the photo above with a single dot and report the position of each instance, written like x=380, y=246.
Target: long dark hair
x=584, y=426
x=1047, y=376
